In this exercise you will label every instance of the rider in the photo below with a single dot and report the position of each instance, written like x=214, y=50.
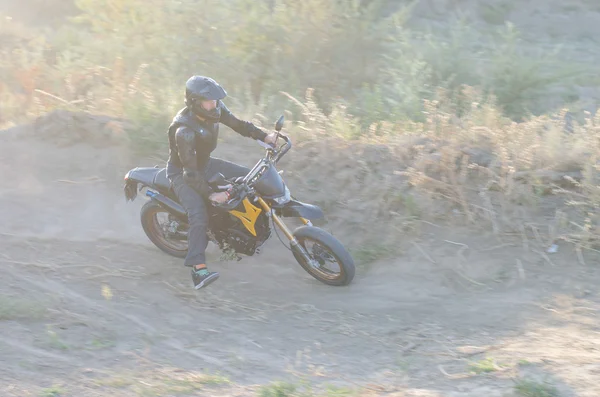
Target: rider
x=192, y=137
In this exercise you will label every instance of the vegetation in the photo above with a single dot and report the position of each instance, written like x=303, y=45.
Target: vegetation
x=131, y=58
x=283, y=389
x=456, y=116
x=529, y=388
x=412, y=128
x=20, y=309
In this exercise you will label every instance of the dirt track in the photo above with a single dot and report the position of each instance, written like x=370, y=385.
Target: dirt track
x=90, y=307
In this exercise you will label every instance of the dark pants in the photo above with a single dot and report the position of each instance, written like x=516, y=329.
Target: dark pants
x=195, y=207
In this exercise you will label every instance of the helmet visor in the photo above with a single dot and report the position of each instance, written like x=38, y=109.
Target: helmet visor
x=210, y=92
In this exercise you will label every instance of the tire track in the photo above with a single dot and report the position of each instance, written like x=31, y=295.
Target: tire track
x=55, y=287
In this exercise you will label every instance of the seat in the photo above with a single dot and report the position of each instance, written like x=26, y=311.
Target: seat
x=161, y=181
x=153, y=177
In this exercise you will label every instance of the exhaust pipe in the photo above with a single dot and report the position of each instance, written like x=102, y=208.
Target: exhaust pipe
x=168, y=204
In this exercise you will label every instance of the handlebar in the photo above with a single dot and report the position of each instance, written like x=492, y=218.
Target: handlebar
x=286, y=146
x=273, y=153
x=238, y=193
x=279, y=153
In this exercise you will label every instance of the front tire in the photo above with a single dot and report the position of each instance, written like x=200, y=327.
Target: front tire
x=154, y=232
x=329, y=246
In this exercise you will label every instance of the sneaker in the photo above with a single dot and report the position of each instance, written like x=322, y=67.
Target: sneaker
x=203, y=277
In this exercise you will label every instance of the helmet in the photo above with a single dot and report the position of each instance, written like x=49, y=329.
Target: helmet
x=202, y=88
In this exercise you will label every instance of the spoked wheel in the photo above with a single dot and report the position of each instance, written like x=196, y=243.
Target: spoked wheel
x=330, y=262
x=157, y=222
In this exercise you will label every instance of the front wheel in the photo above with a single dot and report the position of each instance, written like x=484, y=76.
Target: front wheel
x=324, y=249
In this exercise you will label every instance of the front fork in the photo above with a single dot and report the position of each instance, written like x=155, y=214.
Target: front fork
x=294, y=244
x=306, y=221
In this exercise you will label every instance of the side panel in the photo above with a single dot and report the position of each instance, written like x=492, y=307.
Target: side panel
x=249, y=216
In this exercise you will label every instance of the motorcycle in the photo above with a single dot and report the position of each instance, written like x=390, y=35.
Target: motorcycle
x=257, y=203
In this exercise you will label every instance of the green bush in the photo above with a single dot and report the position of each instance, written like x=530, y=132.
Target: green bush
x=351, y=52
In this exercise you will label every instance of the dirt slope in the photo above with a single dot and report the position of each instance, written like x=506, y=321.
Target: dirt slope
x=89, y=307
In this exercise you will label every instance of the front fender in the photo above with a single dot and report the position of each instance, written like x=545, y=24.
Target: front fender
x=298, y=209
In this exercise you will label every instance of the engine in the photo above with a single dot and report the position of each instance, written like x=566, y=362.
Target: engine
x=230, y=231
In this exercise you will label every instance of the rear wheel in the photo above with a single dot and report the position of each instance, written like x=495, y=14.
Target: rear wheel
x=156, y=223
x=325, y=251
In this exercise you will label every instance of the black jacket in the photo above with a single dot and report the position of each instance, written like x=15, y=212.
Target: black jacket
x=191, y=141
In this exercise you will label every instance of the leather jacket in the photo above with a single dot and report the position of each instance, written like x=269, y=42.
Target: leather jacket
x=192, y=140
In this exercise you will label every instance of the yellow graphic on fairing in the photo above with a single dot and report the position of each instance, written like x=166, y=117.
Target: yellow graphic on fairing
x=248, y=217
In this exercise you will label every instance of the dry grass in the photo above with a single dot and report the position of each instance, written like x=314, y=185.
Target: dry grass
x=490, y=171
x=480, y=169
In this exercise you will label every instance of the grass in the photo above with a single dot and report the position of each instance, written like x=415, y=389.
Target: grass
x=54, y=340
x=101, y=343
x=495, y=14
x=370, y=253
x=163, y=382
x=277, y=389
x=286, y=389
x=387, y=81
x=484, y=366
x=12, y=308
x=54, y=391
x=524, y=362
x=529, y=388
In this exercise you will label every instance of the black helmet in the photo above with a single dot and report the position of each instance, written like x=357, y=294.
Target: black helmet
x=202, y=88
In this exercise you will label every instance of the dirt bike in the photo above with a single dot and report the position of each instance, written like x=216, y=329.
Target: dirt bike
x=242, y=224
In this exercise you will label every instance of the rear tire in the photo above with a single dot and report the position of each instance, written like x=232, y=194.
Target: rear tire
x=334, y=248
x=153, y=231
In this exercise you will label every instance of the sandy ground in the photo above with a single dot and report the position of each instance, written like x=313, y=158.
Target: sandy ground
x=88, y=307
